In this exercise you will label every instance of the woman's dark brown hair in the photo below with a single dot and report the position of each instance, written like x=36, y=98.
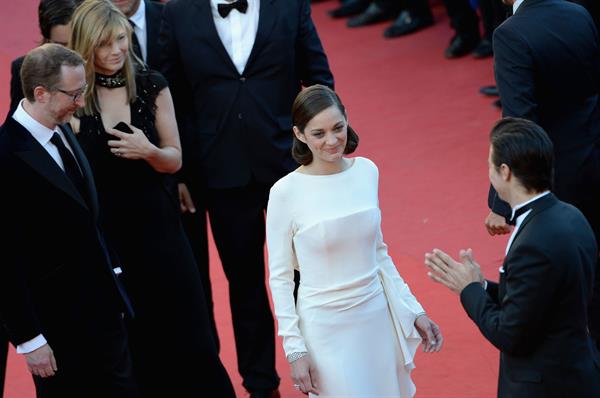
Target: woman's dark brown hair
x=308, y=104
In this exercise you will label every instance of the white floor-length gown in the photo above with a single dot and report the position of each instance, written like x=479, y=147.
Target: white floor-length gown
x=354, y=314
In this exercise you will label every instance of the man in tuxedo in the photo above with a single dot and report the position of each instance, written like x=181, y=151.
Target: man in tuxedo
x=53, y=17
x=547, y=66
x=145, y=18
x=234, y=68
x=537, y=314
x=60, y=301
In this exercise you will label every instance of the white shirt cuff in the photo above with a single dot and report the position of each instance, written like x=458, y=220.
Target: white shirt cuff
x=485, y=284
x=31, y=345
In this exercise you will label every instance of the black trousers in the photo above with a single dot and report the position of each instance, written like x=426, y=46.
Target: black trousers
x=237, y=220
x=95, y=367
x=493, y=13
x=463, y=18
x=3, y=358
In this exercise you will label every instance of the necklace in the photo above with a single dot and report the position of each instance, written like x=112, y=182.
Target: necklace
x=113, y=81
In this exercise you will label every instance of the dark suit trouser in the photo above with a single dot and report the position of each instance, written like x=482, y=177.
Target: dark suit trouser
x=237, y=220
x=417, y=8
x=91, y=368
x=195, y=227
x=463, y=18
x=493, y=13
x=3, y=359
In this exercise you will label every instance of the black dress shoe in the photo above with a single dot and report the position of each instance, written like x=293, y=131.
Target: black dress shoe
x=483, y=50
x=406, y=24
x=350, y=8
x=490, y=91
x=265, y=394
x=371, y=15
x=460, y=45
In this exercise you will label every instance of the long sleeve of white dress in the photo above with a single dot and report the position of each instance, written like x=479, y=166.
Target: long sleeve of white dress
x=282, y=261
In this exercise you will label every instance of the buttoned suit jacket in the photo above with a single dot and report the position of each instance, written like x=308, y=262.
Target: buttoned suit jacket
x=547, y=68
x=56, y=273
x=235, y=127
x=537, y=314
x=153, y=20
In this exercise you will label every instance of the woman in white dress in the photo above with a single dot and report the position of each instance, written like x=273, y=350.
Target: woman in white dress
x=355, y=327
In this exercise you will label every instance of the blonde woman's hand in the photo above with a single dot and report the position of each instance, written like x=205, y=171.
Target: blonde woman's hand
x=131, y=146
x=186, y=203
x=304, y=375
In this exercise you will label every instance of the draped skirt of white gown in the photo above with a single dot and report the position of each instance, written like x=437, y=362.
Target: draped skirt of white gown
x=352, y=342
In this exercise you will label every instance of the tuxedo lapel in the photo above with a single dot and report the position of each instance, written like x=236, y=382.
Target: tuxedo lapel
x=34, y=155
x=208, y=31
x=542, y=204
x=266, y=21
x=85, y=168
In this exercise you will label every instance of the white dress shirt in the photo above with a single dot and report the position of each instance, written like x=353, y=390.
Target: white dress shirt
x=237, y=31
x=516, y=5
x=42, y=134
x=141, y=32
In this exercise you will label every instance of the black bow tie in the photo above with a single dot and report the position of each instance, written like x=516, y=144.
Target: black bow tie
x=520, y=211
x=225, y=8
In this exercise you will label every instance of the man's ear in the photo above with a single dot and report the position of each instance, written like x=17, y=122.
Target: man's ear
x=299, y=135
x=40, y=94
x=505, y=172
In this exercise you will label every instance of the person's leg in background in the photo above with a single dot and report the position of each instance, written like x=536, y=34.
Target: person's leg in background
x=465, y=23
x=415, y=15
x=195, y=226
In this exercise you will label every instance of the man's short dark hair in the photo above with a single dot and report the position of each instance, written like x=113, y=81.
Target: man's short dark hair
x=526, y=148
x=55, y=12
x=42, y=67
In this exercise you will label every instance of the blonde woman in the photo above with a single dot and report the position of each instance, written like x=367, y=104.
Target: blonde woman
x=139, y=208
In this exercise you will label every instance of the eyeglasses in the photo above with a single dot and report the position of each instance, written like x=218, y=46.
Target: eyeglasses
x=75, y=94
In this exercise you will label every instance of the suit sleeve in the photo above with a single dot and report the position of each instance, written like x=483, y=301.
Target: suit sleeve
x=312, y=64
x=17, y=311
x=514, y=324
x=16, y=91
x=282, y=261
x=171, y=66
x=497, y=205
x=514, y=71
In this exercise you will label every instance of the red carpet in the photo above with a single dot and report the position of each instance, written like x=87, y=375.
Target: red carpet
x=423, y=122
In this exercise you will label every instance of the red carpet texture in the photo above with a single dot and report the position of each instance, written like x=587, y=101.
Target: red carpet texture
x=421, y=119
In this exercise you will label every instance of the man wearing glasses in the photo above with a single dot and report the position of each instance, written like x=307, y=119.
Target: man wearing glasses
x=60, y=302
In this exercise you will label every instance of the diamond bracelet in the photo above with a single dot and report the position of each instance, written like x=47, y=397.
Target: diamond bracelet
x=294, y=356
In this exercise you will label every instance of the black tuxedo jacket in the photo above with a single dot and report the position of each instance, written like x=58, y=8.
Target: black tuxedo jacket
x=153, y=20
x=56, y=275
x=547, y=67
x=235, y=127
x=537, y=314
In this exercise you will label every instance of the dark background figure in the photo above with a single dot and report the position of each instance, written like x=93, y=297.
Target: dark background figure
x=132, y=165
x=536, y=315
x=547, y=63
x=233, y=112
x=53, y=17
x=60, y=300
x=145, y=17
x=465, y=23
